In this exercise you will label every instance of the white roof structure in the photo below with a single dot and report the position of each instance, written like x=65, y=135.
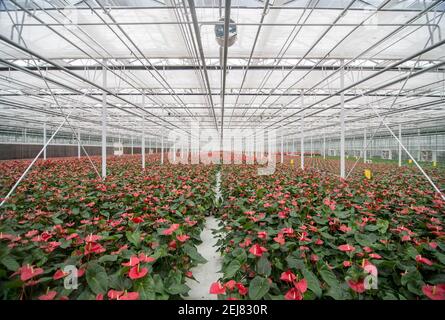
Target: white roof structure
x=164, y=66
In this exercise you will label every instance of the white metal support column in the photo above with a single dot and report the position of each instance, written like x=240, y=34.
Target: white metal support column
x=302, y=144
x=418, y=143
x=400, y=145
x=162, y=149
x=181, y=153
x=44, y=140
x=149, y=144
x=324, y=145
x=312, y=148
x=282, y=144
x=143, y=143
x=342, y=121
x=132, y=145
x=104, y=123
x=365, y=152
x=78, y=143
x=254, y=148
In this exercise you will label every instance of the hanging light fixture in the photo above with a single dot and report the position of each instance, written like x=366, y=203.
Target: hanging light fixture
x=219, y=32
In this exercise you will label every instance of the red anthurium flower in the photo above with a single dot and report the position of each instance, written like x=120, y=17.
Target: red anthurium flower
x=137, y=220
x=217, y=288
x=51, y=246
x=242, y=290
x=433, y=245
x=124, y=247
x=189, y=274
x=134, y=261
x=319, y=242
x=314, y=257
x=171, y=229
x=357, y=286
x=72, y=236
x=6, y=236
x=287, y=231
x=301, y=285
x=375, y=256
x=367, y=249
x=288, y=276
x=172, y=245
x=31, y=283
x=262, y=234
x=50, y=295
x=115, y=223
x=136, y=272
x=144, y=258
x=293, y=294
x=423, y=260
x=191, y=223
x=91, y=204
x=230, y=284
x=59, y=274
x=406, y=238
x=246, y=243
x=114, y=294
x=182, y=237
x=279, y=239
x=347, y=264
x=436, y=292
x=303, y=236
x=31, y=233
x=92, y=238
x=92, y=247
x=257, y=250
x=330, y=203
x=80, y=272
x=27, y=272
x=99, y=296
x=46, y=236
x=346, y=248
x=129, y=296
x=282, y=215
x=344, y=228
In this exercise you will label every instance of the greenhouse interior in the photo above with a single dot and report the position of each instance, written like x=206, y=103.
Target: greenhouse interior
x=222, y=150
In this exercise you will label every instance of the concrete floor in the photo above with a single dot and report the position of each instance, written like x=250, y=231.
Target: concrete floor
x=206, y=273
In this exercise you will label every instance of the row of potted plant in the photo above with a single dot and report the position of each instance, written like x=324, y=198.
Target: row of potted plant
x=131, y=236
x=311, y=235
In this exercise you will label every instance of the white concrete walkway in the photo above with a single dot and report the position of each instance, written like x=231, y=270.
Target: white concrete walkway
x=206, y=273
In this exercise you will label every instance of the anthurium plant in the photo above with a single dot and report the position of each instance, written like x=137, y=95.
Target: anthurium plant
x=311, y=235
x=130, y=236
x=291, y=235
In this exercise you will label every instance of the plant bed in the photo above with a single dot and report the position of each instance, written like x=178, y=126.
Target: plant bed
x=132, y=236
x=310, y=235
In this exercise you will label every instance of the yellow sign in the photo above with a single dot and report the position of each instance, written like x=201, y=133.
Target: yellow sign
x=410, y=161
x=291, y=162
x=434, y=164
x=368, y=174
